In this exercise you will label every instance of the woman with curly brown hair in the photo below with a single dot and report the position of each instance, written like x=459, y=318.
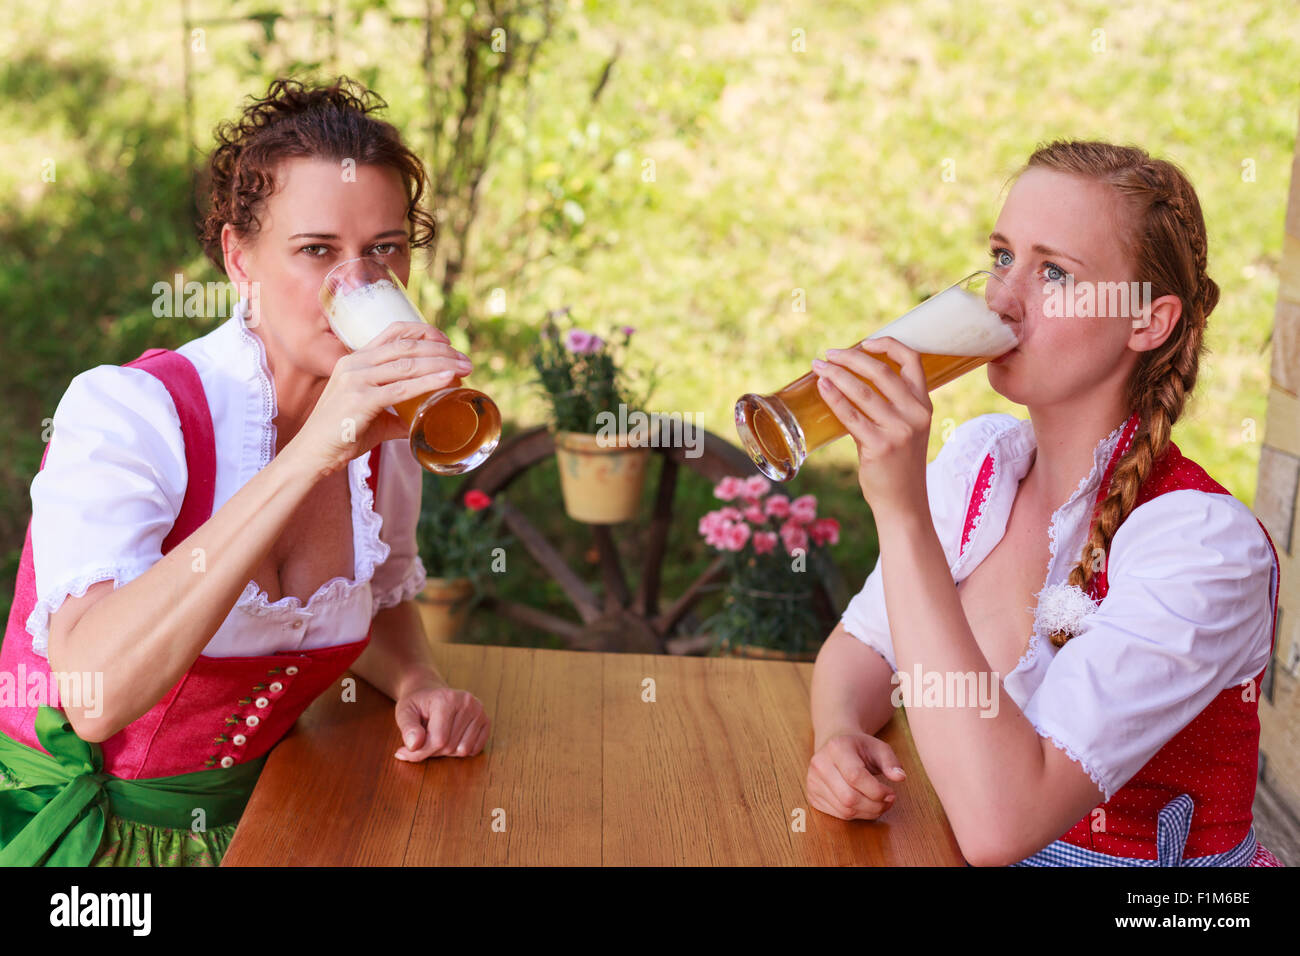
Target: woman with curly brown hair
x=209, y=542
x=1123, y=730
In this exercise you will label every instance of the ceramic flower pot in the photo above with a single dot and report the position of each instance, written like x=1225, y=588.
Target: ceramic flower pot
x=444, y=605
x=601, y=484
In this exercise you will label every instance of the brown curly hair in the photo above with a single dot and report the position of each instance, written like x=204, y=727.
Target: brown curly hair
x=326, y=122
x=1167, y=243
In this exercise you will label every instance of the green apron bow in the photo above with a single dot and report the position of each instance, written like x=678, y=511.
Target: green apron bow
x=57, y=816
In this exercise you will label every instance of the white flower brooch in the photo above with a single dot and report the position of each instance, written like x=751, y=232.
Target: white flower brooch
x=1062, y=608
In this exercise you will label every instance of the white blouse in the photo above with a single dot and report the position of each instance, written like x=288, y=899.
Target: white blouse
x=115, y=477
x=1188, y=612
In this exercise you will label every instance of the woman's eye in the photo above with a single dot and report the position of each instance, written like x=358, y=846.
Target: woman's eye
x=1055, y=273
x=307, y=249
x=998, y=259
x=390, y=246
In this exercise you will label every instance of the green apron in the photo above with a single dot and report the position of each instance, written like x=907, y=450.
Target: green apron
x=57, y=816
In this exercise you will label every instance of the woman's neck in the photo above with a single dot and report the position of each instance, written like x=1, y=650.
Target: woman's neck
x=1067, y=437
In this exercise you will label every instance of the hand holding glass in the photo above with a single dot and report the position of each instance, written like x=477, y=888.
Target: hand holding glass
x=955, y=332
x=454, y=429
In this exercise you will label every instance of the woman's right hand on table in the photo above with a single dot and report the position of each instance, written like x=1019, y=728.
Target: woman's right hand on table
x=404, y=361
x=841, y=776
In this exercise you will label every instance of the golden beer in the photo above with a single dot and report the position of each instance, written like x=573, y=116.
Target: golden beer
x=954, y=331
x=452, y=430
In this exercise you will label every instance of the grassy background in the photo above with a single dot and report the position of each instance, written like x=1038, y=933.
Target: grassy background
x=776, y=169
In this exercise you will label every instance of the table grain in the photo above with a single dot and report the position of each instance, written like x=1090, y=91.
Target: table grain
x=593, y=760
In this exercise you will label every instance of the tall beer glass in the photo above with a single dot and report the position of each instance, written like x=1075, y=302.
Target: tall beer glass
x=955, y=332
x=454, y=429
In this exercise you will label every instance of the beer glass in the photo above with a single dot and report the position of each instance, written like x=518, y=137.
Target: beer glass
x=453, y=429
x=955, y=332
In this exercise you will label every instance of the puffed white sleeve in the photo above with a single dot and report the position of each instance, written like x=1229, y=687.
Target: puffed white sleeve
x=949, y=480
x=401, y=575
x=1188, y=614
x=111, y=488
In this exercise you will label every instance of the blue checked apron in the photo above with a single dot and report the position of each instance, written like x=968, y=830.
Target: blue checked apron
x=1172, y=827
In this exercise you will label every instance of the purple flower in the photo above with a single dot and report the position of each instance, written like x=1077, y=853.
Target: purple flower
x=579, y=341
x=627, y=330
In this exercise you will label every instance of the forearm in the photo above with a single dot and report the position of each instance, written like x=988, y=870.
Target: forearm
x=398, y=659
x=984, y=758
x=143, y=636
x=851, y=689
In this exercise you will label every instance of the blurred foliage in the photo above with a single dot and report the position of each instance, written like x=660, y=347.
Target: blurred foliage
x=689, y=168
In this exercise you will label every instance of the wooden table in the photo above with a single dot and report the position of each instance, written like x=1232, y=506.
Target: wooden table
x=581, y=769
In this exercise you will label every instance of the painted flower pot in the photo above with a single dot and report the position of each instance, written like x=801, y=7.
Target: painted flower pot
x=601, y=484
x=444, y=605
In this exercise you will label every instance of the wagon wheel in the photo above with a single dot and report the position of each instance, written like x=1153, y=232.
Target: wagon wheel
x=625, y=620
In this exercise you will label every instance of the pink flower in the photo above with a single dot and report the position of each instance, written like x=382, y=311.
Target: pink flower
x=824, y=531
x=764, y=542
x=778, y=506
x=730, y=514
x=754, y=514
x=709, y=524
x=756, y=486
x=580, y=342
x=804, y=508
x=729, y=488
x=794, y=537
x=735, y=536
x=627, y=330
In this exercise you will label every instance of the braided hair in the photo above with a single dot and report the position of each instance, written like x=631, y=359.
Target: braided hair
x=1167, y=243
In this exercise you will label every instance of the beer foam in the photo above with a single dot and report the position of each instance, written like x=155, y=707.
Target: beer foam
x=362, y=313
x=954, y=322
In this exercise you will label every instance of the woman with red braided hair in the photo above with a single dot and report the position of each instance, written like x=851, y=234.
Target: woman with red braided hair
x=1123, y=727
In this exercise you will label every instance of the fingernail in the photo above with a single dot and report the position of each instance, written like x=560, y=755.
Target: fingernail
x=889, y=799
x=818, y=364
x=900, y=770
x=410, y=739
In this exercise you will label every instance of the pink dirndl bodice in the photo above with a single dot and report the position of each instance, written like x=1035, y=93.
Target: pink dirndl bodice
x=1190, y=805
x=224, y=710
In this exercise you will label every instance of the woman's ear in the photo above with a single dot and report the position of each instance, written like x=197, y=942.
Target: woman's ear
x=233, y=256
x=1156, y=323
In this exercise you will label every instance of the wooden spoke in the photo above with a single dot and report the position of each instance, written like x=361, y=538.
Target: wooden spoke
x=647, y=592
x=714, y=572
x=611, y=569
x=578, y=592
x=533, y=617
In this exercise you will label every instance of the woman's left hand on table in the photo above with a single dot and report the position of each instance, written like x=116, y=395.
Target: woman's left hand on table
x=441, y=722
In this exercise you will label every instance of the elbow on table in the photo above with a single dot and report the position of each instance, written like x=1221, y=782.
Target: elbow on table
x=990, y=846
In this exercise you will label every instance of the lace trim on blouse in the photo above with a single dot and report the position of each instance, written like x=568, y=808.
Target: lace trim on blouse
x=255, y=352
x=38, y=622
x=369, y=551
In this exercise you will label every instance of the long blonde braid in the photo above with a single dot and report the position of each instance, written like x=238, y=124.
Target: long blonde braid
x=1167, y=244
